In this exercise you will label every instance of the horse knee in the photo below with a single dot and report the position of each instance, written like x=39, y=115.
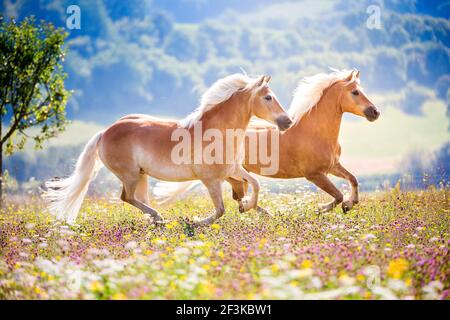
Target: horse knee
x=339, y=198
x=353, y=182
x=237, y=195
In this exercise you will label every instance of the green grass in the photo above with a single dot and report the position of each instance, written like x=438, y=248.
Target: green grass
x=392, y=245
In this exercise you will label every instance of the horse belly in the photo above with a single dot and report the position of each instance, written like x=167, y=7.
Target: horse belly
x=158, y=164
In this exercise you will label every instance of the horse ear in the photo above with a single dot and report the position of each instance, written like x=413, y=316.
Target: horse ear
x=357, y=74
x=267, y=79
x=349, y=77
x=259, y=82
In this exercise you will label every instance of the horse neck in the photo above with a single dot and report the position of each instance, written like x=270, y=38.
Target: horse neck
x=231, y=114
x=324, y=120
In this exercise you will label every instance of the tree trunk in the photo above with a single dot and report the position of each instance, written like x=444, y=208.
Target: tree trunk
x=1, y=164
x=1, y=176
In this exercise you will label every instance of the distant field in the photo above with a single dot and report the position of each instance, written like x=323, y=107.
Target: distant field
x=392, y=245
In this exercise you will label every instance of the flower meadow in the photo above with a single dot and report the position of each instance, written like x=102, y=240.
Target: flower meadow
x=393, y=245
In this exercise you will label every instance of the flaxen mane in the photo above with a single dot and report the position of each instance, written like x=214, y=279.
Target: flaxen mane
x=310, y=90
x=219, y=92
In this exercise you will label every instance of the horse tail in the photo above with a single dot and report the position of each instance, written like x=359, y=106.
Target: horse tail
x=166, y=192
x=65, y=196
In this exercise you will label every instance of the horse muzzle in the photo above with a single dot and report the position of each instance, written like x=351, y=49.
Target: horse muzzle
x=371, y=113
x=283, y=122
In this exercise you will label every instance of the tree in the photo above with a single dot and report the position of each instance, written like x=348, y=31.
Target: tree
x=32, y=92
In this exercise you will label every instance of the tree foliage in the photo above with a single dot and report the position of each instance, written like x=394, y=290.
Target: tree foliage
x=32, y=92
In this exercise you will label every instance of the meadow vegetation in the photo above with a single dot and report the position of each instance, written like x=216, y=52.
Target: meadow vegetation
x=394, y=244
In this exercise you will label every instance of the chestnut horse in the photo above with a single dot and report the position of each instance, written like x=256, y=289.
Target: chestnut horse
x=310, y=147
x=138, y=146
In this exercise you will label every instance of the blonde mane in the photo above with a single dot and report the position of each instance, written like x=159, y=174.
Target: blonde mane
x=310, y=90
x=220, y=91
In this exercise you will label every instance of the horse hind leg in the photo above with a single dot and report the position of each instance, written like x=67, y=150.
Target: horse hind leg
x=141, y=192
x=136, y=197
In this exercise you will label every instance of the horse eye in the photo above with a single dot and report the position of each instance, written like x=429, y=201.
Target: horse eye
x=268, y=98
x=355, y=92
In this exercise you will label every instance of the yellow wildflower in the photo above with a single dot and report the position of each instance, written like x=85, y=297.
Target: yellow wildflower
x=275, y=268
x=119, y=296
x=397, y=268
x=96, y=286
x=168, y=264
x=307, y=264
x=408, y=282
x=206, y=267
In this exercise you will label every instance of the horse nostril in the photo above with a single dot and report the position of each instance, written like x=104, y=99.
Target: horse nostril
x=288, y=122
x=284, y=122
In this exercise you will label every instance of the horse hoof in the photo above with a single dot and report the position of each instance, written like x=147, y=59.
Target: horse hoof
x=346, y=206
x=263, y=211
x=325, y=207
x=161, y=223
x=244, y=205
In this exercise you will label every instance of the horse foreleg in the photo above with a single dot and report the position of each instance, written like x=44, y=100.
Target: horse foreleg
x=240, y=189
x=247, y=202
x=322, y=181
x=339, y=171
x=215, y=191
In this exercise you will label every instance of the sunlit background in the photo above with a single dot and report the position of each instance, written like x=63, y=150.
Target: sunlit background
x=157, y=57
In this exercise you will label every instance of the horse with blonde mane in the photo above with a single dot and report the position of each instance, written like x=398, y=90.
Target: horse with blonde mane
x=138, y=146
x=310, y=147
